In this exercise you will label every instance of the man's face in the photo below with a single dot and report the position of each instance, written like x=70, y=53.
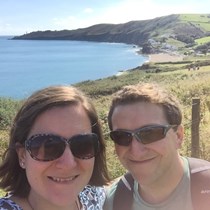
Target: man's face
x=148, y=163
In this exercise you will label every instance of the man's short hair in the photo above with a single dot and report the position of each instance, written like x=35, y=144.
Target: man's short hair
x=148, y=93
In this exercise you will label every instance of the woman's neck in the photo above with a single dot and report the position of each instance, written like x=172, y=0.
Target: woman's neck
x=33, y=205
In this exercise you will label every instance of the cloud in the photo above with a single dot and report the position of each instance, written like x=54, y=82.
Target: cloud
x=136, y=10
x=88, y=10
x=117, y=13
x=128, y=10
x=122, y=12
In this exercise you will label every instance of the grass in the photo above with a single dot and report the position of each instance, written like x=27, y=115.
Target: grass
x=201, y=18
x=197, y=19
x=203, y=40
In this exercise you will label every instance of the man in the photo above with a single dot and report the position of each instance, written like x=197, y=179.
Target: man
x=145, y=123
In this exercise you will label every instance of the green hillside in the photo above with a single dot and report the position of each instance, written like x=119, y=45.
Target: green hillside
x=172, y=33
x=200, y=20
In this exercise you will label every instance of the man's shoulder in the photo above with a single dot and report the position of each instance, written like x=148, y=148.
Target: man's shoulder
x=200, y=183
x=198, y=160
x=111, y=187
x=110, y=193
x=198, y=165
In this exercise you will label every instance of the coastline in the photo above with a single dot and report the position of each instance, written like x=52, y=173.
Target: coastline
x=158, y=58
x=76, y=62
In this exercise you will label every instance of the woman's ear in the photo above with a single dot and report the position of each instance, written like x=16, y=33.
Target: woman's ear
x=21, y=152
x=180, y=136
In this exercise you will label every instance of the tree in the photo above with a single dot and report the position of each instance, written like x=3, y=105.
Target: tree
x=147, y=48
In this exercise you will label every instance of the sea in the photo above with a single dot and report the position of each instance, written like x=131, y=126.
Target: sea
x=29, y=65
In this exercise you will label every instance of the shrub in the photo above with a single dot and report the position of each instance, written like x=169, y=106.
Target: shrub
x=8, y=108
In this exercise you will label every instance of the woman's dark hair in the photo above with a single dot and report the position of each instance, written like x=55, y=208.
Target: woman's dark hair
x=12, y=177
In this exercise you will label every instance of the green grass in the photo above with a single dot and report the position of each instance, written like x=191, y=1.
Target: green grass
x=203, y=40
x=175, y=42
x=197, y=19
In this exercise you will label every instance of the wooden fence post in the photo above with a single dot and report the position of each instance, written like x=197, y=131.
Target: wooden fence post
x=195, y=147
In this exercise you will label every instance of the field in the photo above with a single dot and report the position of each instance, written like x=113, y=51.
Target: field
x=203, y=40
x=198, y=19
x=184, y=83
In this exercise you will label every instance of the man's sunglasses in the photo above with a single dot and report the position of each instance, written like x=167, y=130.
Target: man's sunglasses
x=48, y=147
x=145, y=135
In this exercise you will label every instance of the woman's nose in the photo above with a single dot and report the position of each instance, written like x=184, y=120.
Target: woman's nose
x=67, y=159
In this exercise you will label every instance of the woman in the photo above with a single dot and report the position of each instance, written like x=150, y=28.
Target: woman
x=56, y=154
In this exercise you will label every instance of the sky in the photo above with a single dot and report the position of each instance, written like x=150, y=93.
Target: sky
x=18, y=17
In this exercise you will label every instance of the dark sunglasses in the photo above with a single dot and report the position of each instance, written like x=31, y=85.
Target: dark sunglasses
x=48, y=147
x=145, y=135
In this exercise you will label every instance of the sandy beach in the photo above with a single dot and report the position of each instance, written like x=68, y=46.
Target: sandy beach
x=164, y=57
x=159, y=57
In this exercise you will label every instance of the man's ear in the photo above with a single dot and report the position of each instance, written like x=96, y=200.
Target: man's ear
x=180, y=136
x=21, y=152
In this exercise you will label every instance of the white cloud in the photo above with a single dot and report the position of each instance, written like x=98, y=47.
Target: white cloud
x=128, y=10
x=139, y=10
x=88, y=10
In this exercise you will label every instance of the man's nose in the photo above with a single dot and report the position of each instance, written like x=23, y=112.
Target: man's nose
x=136, y=145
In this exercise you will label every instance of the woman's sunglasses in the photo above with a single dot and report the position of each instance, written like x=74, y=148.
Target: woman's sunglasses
x=145, y=135
x=48, y=147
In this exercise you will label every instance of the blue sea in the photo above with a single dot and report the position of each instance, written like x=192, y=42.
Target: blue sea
x=28, y=65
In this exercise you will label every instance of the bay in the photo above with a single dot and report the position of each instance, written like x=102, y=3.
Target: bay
x=28, y=65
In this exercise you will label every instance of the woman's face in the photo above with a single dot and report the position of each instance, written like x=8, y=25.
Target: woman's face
x=58, y=182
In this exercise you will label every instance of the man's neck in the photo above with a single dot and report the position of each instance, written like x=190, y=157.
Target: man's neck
x=159, y=190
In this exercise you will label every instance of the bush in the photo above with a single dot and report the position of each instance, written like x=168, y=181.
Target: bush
x=8, y=108
x=185, y=39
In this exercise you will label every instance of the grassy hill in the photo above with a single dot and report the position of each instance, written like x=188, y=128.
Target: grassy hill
x=199, y=20
x=177, y=32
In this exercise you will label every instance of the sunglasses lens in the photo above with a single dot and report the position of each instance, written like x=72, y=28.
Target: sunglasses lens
x=121, y=138
x=84, y=146
x=151, y=134
x=46, y=147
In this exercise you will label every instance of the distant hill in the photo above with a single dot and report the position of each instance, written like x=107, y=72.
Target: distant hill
x=171, y=31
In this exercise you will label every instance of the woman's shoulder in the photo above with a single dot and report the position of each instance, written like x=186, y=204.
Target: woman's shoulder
x=7, y=204
x=92, y=197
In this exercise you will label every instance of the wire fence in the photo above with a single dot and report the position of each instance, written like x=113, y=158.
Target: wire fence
x=197, y=132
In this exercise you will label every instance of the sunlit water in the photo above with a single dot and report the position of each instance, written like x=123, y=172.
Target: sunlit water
x=26, y=66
